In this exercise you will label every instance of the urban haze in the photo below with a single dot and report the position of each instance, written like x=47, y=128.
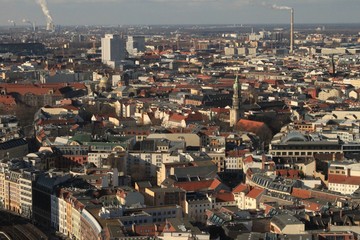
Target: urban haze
x=179, y=119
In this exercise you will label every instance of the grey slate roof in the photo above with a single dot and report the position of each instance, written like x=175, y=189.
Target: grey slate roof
x=12, y=143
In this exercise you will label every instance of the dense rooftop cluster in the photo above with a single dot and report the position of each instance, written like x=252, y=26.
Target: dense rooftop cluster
x=169, y=133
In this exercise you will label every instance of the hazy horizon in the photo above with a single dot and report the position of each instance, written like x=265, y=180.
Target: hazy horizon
x=180, y=12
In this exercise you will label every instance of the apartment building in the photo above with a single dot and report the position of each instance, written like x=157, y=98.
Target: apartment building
x=16, y=180
x=344, y=177
x=203, y=169
x=70, y=217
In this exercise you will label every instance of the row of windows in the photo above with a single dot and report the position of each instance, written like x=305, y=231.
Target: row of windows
x=296, y=153
x=299, y=147
x=26, y=200
x=135, y=222
x=29, y=195
x=200, y=210
x=346, y=185
x=337, y=172
x=163, y=213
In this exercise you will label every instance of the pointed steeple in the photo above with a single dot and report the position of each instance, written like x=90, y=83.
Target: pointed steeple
x=235, y=110
x=237, y=93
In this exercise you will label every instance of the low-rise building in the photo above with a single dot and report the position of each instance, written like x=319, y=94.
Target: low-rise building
x=344, y=177
x=156, y=196
x=286, y=224
x=252, y=199
x=183, y=230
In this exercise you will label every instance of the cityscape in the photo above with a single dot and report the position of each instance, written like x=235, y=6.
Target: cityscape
x=196, y=130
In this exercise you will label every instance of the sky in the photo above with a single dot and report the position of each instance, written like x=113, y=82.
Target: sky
x=119, y=12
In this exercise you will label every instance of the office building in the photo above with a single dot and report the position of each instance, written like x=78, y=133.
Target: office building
x=112, y=49
x=135, y=44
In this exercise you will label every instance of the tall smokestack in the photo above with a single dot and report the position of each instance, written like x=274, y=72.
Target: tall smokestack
x=274, y=6
x=292, y=31
x=50, y=26
x=46, y=12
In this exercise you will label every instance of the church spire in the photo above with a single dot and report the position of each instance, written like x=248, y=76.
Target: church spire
x=235, y=110
x=237, y=93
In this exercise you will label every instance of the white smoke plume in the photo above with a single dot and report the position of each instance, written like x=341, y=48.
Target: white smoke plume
x=45, y=10
x=274, y=6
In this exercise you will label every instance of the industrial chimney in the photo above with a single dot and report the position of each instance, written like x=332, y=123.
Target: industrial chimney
x=292, y=30
x=50, y=26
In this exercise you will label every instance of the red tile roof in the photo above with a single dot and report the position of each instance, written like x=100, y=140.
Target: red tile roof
x=203, y=77
x=248, y=159
x=312, y=206
x=241, y=188
x=215, y=183
x=196, y=116
x=7, y=100
x=220, y=110
x=223, y=196
x=333, y=178
x=78, y=86
x=237, y=153
x=198, y=185
x=250, y=126
x=288, y=173
x=40, y=89
x=74, y=127
x=192, y=117
x=301, y=193
x=31, y=90
x=150, y=229
x=255, y=193
x=268, y=208
x=177, y=117
x=23, y=89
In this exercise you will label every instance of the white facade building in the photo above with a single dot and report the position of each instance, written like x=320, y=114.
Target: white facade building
x=97, y=158
x=112, y=49
x=344, y=177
